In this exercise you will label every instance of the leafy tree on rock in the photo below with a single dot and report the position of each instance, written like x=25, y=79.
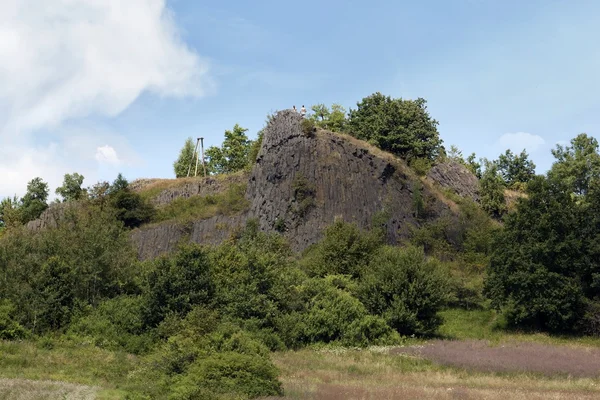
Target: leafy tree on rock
x=402, y=127
x=234, y=153
x=9, y=212
x=334, y=119
x=186, y=156
x=71, y=188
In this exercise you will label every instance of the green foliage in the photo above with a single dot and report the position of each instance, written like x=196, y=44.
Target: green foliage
x=130, y=208
x=115, y=324
x=183, y=210
x=10, y=329
x=308, y=127
x=255, y=149
x=34, y=203
x=577, y=165
x=234, y=153
x=333, y=120
x=515, y=169
x=543, y=273
x=402, y=127
x=406, y=289
x=304, y=193
x=71, y=188
x=492, y=191
x=10, y=215
x=187, y=158
x=53, y=273
x=344, y=250
x=175, y=285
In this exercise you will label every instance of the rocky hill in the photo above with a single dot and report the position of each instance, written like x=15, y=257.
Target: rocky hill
x=303, y=180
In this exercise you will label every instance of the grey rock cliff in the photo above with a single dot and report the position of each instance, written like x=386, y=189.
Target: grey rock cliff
x=455, y=176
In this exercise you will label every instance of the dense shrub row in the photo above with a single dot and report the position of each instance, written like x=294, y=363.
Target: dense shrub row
x=205, y=318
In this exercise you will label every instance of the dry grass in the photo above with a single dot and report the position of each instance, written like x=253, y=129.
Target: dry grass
x=521, y=357
x=373, y=374
x=24, y=389
x=150, y=188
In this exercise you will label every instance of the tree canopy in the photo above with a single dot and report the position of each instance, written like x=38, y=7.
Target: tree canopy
x=234, y=153
x=402, y=127
x=187, y=155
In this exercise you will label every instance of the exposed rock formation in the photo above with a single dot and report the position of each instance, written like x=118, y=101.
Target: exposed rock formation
x=303, y=181
x=50, y=217
x=455, y=176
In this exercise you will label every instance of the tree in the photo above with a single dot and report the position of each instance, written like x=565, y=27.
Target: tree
x=9, y=212
x=515, y=169
x=187, y=155
x=233, y=155
x=544, y=272
x=334, y=119
x=34, y=202
x=578, y=164
x=71, y=188
x=402, y=127
x=492, y=190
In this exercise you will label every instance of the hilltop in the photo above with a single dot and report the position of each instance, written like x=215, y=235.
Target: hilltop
x=303, y=180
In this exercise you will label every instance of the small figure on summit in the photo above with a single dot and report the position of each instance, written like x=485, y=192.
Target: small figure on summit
x=303, y=111
x=294, y=108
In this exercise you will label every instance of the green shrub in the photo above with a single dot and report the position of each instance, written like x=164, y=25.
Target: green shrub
x=344, y=249
x=176, y=284
x=9, y=328
x=228, y=373
x=115, y=324
x=406, y=289
x=308, y=128
x=304, y=193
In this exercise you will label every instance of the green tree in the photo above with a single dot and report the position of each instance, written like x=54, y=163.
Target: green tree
x=406, y=289
x=233, y=155
x=402, y=127
x=187, y=157
x=34, y=202
x=578, y=164
x=492, y=190
x=71, y=188
x=10, y=212
x=334, y=119
x=515, y=168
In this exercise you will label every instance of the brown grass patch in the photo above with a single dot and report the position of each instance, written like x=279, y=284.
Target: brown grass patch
x=369, y=374
x=25, y=389
x=519, y=357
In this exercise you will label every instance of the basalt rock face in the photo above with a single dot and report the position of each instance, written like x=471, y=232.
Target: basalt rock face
x=304, y=180
x=50, y=217
x=455, y=176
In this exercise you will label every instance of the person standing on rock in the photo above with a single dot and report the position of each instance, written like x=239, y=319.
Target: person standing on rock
x=303, y=111
x=294, y=108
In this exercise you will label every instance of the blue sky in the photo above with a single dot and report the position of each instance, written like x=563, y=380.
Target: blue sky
x=121, y=91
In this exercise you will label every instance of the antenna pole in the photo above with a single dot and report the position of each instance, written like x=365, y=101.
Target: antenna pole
x=196, y=155
x=202, y=148
x=192, y=160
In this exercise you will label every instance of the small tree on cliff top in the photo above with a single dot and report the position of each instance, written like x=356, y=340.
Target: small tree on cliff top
x=402, y=127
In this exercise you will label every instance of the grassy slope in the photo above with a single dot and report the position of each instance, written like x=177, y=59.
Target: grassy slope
x=320, y=372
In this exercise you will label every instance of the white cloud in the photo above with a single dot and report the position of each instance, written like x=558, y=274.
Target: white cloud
x=107, y=155
x=519, y=141
x=62, y=60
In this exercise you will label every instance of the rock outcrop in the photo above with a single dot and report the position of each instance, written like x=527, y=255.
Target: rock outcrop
x=456, y=177
x=304, y=179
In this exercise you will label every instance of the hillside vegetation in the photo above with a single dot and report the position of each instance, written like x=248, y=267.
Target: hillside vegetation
x=241, y=319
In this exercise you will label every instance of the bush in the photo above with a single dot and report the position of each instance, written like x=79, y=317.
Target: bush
x=9, y=328
x=344, y=249
x=176, y=284
x=406, y=289
x=115, y=324
x=228, y=373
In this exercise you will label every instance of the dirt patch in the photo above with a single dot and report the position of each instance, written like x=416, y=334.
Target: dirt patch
x=25, y=389
x=510, y=357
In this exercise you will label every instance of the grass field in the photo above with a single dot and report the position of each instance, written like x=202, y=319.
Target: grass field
x=49, y=369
